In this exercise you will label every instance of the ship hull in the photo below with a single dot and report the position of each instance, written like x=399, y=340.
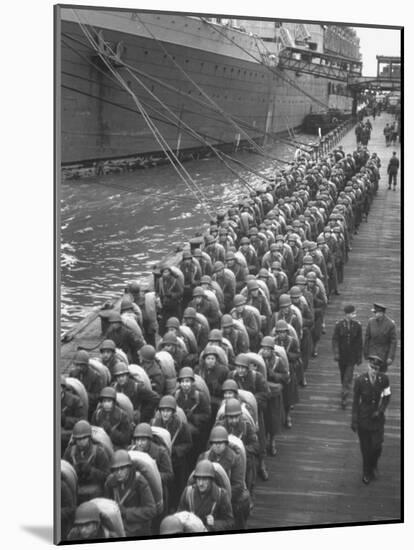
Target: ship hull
x=101, y=120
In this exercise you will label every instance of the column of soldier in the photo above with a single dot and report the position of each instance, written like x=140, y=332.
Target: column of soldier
x=195, y=381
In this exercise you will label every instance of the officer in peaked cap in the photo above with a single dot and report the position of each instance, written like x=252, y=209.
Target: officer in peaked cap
x=381, y=336
x=372, y=393
x=347, y=348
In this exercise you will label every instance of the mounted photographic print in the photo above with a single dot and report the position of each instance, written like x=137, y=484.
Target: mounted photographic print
x=228, y=220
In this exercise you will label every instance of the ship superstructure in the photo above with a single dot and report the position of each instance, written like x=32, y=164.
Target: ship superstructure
x=228, y=80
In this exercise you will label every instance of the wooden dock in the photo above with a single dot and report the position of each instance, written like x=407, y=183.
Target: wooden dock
x=315, y=479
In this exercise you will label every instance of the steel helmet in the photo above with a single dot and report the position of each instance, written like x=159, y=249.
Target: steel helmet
x=210, y=239
x=198, y=291
x=285, y=300
x=219, y=434
x=205, y=279
x=134, y=287
x=81, y=357
x=143, y=430
x=147, y=352
x=239, y=300
x=114, y=317
x=81, y=429
x=108, y=345
x=120, y=459
x=189, y=313
x=215, y=335
x=321, y=239
x=168, y=402
x=173, y=322
x=245, y=240
x=226, y=321
x=253, y=231
x=186, y=372
x=232, y=407
x=187, y=255
x=218, y=266
x=230, y=255
x=171, y=525
x=108, y=393
x=300, y=280
x=276, y=265
x=63, y=382
x=120, y=368
x=307, y=259
x=169, y=339
x=126, y=304
x=210, y=350
x=242, y=360
x=87, y=512
x=263, y=272
x=230, y=385
x=281, y=326
x=252, y=285
x=273, y=247
x=205, y=468
x=311, y=276
x=312, y=245
x=295, y=292
x=197, y=253
x=268, y=342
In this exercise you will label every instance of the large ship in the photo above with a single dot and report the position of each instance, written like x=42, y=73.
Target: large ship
x=133, y=83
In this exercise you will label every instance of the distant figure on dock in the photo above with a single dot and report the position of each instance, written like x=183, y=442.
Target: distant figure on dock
x=347, y=349
x=381, y=337
x=372, y=394
x=392, y=170
x=358, y=133
x=387, y=133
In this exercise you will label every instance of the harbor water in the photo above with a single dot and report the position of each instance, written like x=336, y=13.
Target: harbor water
x=114, y=228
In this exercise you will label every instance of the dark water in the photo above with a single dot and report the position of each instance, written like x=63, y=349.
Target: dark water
x=115, y=227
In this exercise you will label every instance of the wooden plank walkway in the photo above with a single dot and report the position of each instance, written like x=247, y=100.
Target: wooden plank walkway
x=315, y=478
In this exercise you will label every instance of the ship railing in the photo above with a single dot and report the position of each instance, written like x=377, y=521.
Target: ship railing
x=331, y=139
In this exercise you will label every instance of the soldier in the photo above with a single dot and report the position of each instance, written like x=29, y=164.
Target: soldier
x=319, y=306
x=347, y=349
x=372, y=393
x=108, y=354
x=198, y=324
x=109, y=416
x=191, y=270
x=195, y=405
x=291, y=346
x=250, y=320
x=209, y=309
x=89, y=460
x=130, y=490
x=392, y=170
x=170, y=291
x=237, y=425
x=123, y=337
x=227, y=281
x=278, y=380
x=230, y=461
x=143, y=400
x=214, y=373
x=381, y=337
x=89, y=378
x=168, y=419
x=71, y=410
x=207, y=500
x=238, y=338
x=88, y=524
x=252, y=381
x=143, y=441
x=149, y=363
x=257, y=299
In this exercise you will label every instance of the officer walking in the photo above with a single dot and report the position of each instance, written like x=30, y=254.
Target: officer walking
x=392, y=170
x=381, y=337
x=371, y=396
x=347, y=348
